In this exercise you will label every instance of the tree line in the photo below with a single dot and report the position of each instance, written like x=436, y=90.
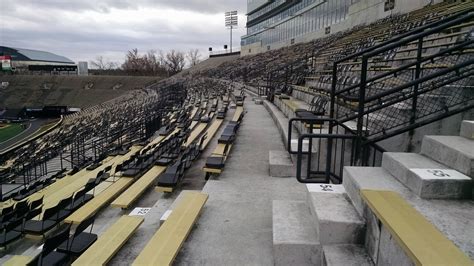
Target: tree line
x=151, y=63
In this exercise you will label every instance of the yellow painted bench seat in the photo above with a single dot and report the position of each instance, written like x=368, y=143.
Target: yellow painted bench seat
x=138, y=188
x=110, y=242
x=18, y=260
x=99, y=201
x=219, y=150
x=195, y=133
x=164, y=189
x=238, y=112
x=167, y=241
x=66, y=186
x=419, y=238
x=292, y=105
x=211, y=132
x=212, y=170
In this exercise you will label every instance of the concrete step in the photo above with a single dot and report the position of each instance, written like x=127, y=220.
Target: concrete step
x=453, y=151
x=335, y=219
x=425, y=177
x=295, y=241
x=449, y=216
x=302, y=95
x=347, y=255
x=281, y=121
x=280, y=164
x=467, y=129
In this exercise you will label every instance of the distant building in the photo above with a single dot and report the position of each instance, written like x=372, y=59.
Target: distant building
x=82, y=69
x=24, y=60
x=272, y=24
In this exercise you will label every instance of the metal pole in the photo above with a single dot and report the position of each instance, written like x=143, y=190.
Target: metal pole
x=231, y=38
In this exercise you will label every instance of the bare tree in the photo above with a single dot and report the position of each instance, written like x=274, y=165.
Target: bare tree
x=101, y=63
x=174, y=61
x=193, y=56
x=133, y=62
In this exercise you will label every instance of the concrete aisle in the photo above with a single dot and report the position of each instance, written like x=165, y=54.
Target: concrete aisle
x=235, y=227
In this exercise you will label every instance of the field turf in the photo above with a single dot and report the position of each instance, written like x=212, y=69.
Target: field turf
x=9, y=131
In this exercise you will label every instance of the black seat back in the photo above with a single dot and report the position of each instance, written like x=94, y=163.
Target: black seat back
x=108, y=168
x=50, y=213
x=89, y=185
x=13, y=225
x=51, y=243
x=118, y=168
x=64, y=203
x=7, y=217
x=84, y=224
x=80, y=194
x=8, y=210
x=21, y=205
x=21, y=208
x=36, y=203
x=33, y=213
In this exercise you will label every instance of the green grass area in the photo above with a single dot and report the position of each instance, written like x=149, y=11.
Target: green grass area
x=10, y=131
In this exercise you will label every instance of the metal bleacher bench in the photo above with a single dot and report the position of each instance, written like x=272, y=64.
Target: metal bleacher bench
x=221, y=152
x=212, y=131
x=110, y=242
x=100, y=200
x=422, y=241
x=18, y=260
x=167, y=241
x=138, y=188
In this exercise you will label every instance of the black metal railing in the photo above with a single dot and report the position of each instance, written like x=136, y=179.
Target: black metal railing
x=411, y=80
x=407, y=81
x=321, y=156
x=279, y=80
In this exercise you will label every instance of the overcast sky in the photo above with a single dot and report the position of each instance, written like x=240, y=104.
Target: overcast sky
x=84, y=29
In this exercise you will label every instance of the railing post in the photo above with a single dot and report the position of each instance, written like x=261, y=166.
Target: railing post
x=416, y=86
x=360, y=154
x=333, y=117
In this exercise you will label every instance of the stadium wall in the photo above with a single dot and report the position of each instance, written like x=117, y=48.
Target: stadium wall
x=360, y=13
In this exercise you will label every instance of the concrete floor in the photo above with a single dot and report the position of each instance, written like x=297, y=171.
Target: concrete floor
x=235, y=227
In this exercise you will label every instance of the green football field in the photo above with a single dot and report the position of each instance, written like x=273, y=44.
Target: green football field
x=9, y=131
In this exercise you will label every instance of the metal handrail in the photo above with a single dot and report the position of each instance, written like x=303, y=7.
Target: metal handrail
x=407, y=66
x=414, y=32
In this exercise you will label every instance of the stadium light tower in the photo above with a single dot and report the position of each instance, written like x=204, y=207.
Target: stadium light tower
x=231, y=21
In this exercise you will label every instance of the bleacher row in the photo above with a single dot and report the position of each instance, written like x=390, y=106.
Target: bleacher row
x=315, y=90
x=71, y=203
x=106, y=119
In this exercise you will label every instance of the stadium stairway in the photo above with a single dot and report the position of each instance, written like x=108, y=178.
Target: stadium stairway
x=236, y=226
x=416, y=209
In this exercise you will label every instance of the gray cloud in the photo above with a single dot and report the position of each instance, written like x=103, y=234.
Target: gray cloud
x=83, y=30
x=202, y=6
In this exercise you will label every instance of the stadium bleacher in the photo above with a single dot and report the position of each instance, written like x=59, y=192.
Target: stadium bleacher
x=110, y=155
